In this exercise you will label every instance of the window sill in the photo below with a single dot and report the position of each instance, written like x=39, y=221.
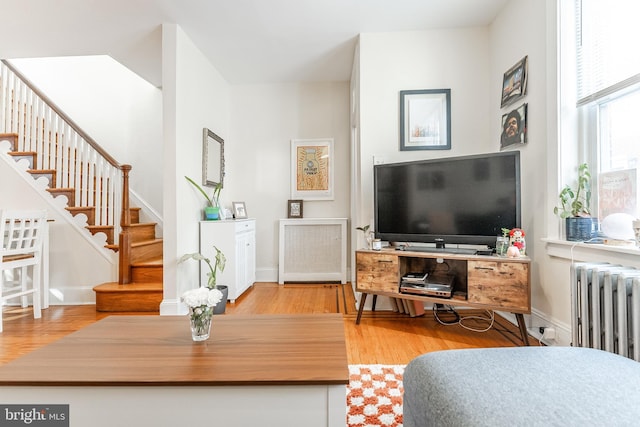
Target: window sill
x=593, y=252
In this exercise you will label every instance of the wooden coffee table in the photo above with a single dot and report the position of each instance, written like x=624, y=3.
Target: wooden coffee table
x=284, y=370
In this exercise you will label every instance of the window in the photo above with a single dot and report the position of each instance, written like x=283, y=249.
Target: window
x=608, y=85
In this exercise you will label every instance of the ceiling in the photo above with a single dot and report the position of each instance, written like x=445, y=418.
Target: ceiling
x=248, y=41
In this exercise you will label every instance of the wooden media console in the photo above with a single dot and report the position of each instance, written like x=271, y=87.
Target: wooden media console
x=479, y=281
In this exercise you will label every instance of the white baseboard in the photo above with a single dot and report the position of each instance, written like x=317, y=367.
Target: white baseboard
x=537, y=320
x=271, y=274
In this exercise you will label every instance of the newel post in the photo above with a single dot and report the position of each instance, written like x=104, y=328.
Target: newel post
x=124, y=244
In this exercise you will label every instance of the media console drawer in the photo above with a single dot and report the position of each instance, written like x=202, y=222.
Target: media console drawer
x=499, y=284
x=377, y=272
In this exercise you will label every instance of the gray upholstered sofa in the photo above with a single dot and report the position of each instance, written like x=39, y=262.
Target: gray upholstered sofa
x=522, y=386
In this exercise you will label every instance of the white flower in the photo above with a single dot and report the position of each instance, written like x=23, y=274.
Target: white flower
x=202, y=296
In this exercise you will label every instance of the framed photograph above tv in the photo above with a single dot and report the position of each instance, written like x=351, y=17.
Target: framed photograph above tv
x=425, y=119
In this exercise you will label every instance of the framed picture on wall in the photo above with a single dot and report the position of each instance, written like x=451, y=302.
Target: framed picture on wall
x=514, y=127
x=312, y=169
x=514, y=83
x=295, y=209
x=425, y=119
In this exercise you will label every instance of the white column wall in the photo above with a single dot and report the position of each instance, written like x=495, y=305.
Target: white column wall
x=195, y=96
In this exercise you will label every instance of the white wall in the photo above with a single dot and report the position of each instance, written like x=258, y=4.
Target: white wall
x=195, y=96
x=264, y=120
x=118, y=109
x=456, y=59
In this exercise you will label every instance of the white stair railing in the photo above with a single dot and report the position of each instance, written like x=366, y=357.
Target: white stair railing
x=78, y=161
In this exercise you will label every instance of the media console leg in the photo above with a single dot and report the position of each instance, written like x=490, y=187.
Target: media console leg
x=373, y=302
x=363, y=298
x=523, y=328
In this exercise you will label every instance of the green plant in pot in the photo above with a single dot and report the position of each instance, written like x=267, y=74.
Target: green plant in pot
x=575, y=208
x=368, y=235
x=220, y=262
x=212, y=210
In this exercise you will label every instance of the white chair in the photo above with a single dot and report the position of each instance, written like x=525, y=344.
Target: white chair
x=22, y=234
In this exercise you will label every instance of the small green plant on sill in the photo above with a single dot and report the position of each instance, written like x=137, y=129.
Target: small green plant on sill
x=212, y=201
x=576, y=202
x=219, y=265
x=505, y=232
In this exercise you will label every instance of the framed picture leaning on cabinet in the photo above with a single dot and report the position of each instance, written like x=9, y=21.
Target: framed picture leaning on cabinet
x=295, y=209
x=239, y=210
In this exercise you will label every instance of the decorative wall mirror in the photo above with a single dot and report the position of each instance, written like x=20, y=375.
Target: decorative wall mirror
x=212, y=159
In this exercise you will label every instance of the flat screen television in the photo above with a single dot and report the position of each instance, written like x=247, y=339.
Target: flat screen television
x=458, y=200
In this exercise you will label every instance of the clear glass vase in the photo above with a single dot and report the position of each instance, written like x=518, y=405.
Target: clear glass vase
x=200, y=319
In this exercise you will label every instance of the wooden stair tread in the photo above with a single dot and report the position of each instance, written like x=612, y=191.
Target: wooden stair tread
x=32, y=156
x=69, y=193
x=89, y=211
x=42, y=171
x=12, y=138
x=100, y=227
x=22, y=153
x=156, y=262
x=146, y=242
x=129, y=287
x=132, y=297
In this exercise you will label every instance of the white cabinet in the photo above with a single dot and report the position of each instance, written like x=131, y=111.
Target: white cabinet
x=237, y=241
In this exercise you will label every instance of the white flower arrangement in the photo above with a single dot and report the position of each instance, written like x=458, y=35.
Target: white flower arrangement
x=202, y=297
x=201, y=302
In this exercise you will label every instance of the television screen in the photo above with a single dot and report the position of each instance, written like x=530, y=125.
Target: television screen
x=458, y=200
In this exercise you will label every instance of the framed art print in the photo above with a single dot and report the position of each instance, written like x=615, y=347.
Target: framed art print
x=425, y=119
x=312, y=169
x=514, y=83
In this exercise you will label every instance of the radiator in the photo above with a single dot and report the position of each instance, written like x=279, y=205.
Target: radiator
x=313, y=250
x=605, y=307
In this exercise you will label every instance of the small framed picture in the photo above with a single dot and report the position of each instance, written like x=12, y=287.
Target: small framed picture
x=295, y=209
x=514, y=127
x=514, y=83
x=239, y=210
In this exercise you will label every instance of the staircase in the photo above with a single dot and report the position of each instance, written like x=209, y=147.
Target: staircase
x=77, y=168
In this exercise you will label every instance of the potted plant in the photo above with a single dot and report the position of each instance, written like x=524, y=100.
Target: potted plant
x=575, y=208
x=212, y=210
x=368, y=235
x=220, y=262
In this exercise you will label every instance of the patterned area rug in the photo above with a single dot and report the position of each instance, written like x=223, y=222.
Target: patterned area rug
x=374, y=396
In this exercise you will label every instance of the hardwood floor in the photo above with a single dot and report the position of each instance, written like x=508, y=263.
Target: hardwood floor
x=382, y=337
